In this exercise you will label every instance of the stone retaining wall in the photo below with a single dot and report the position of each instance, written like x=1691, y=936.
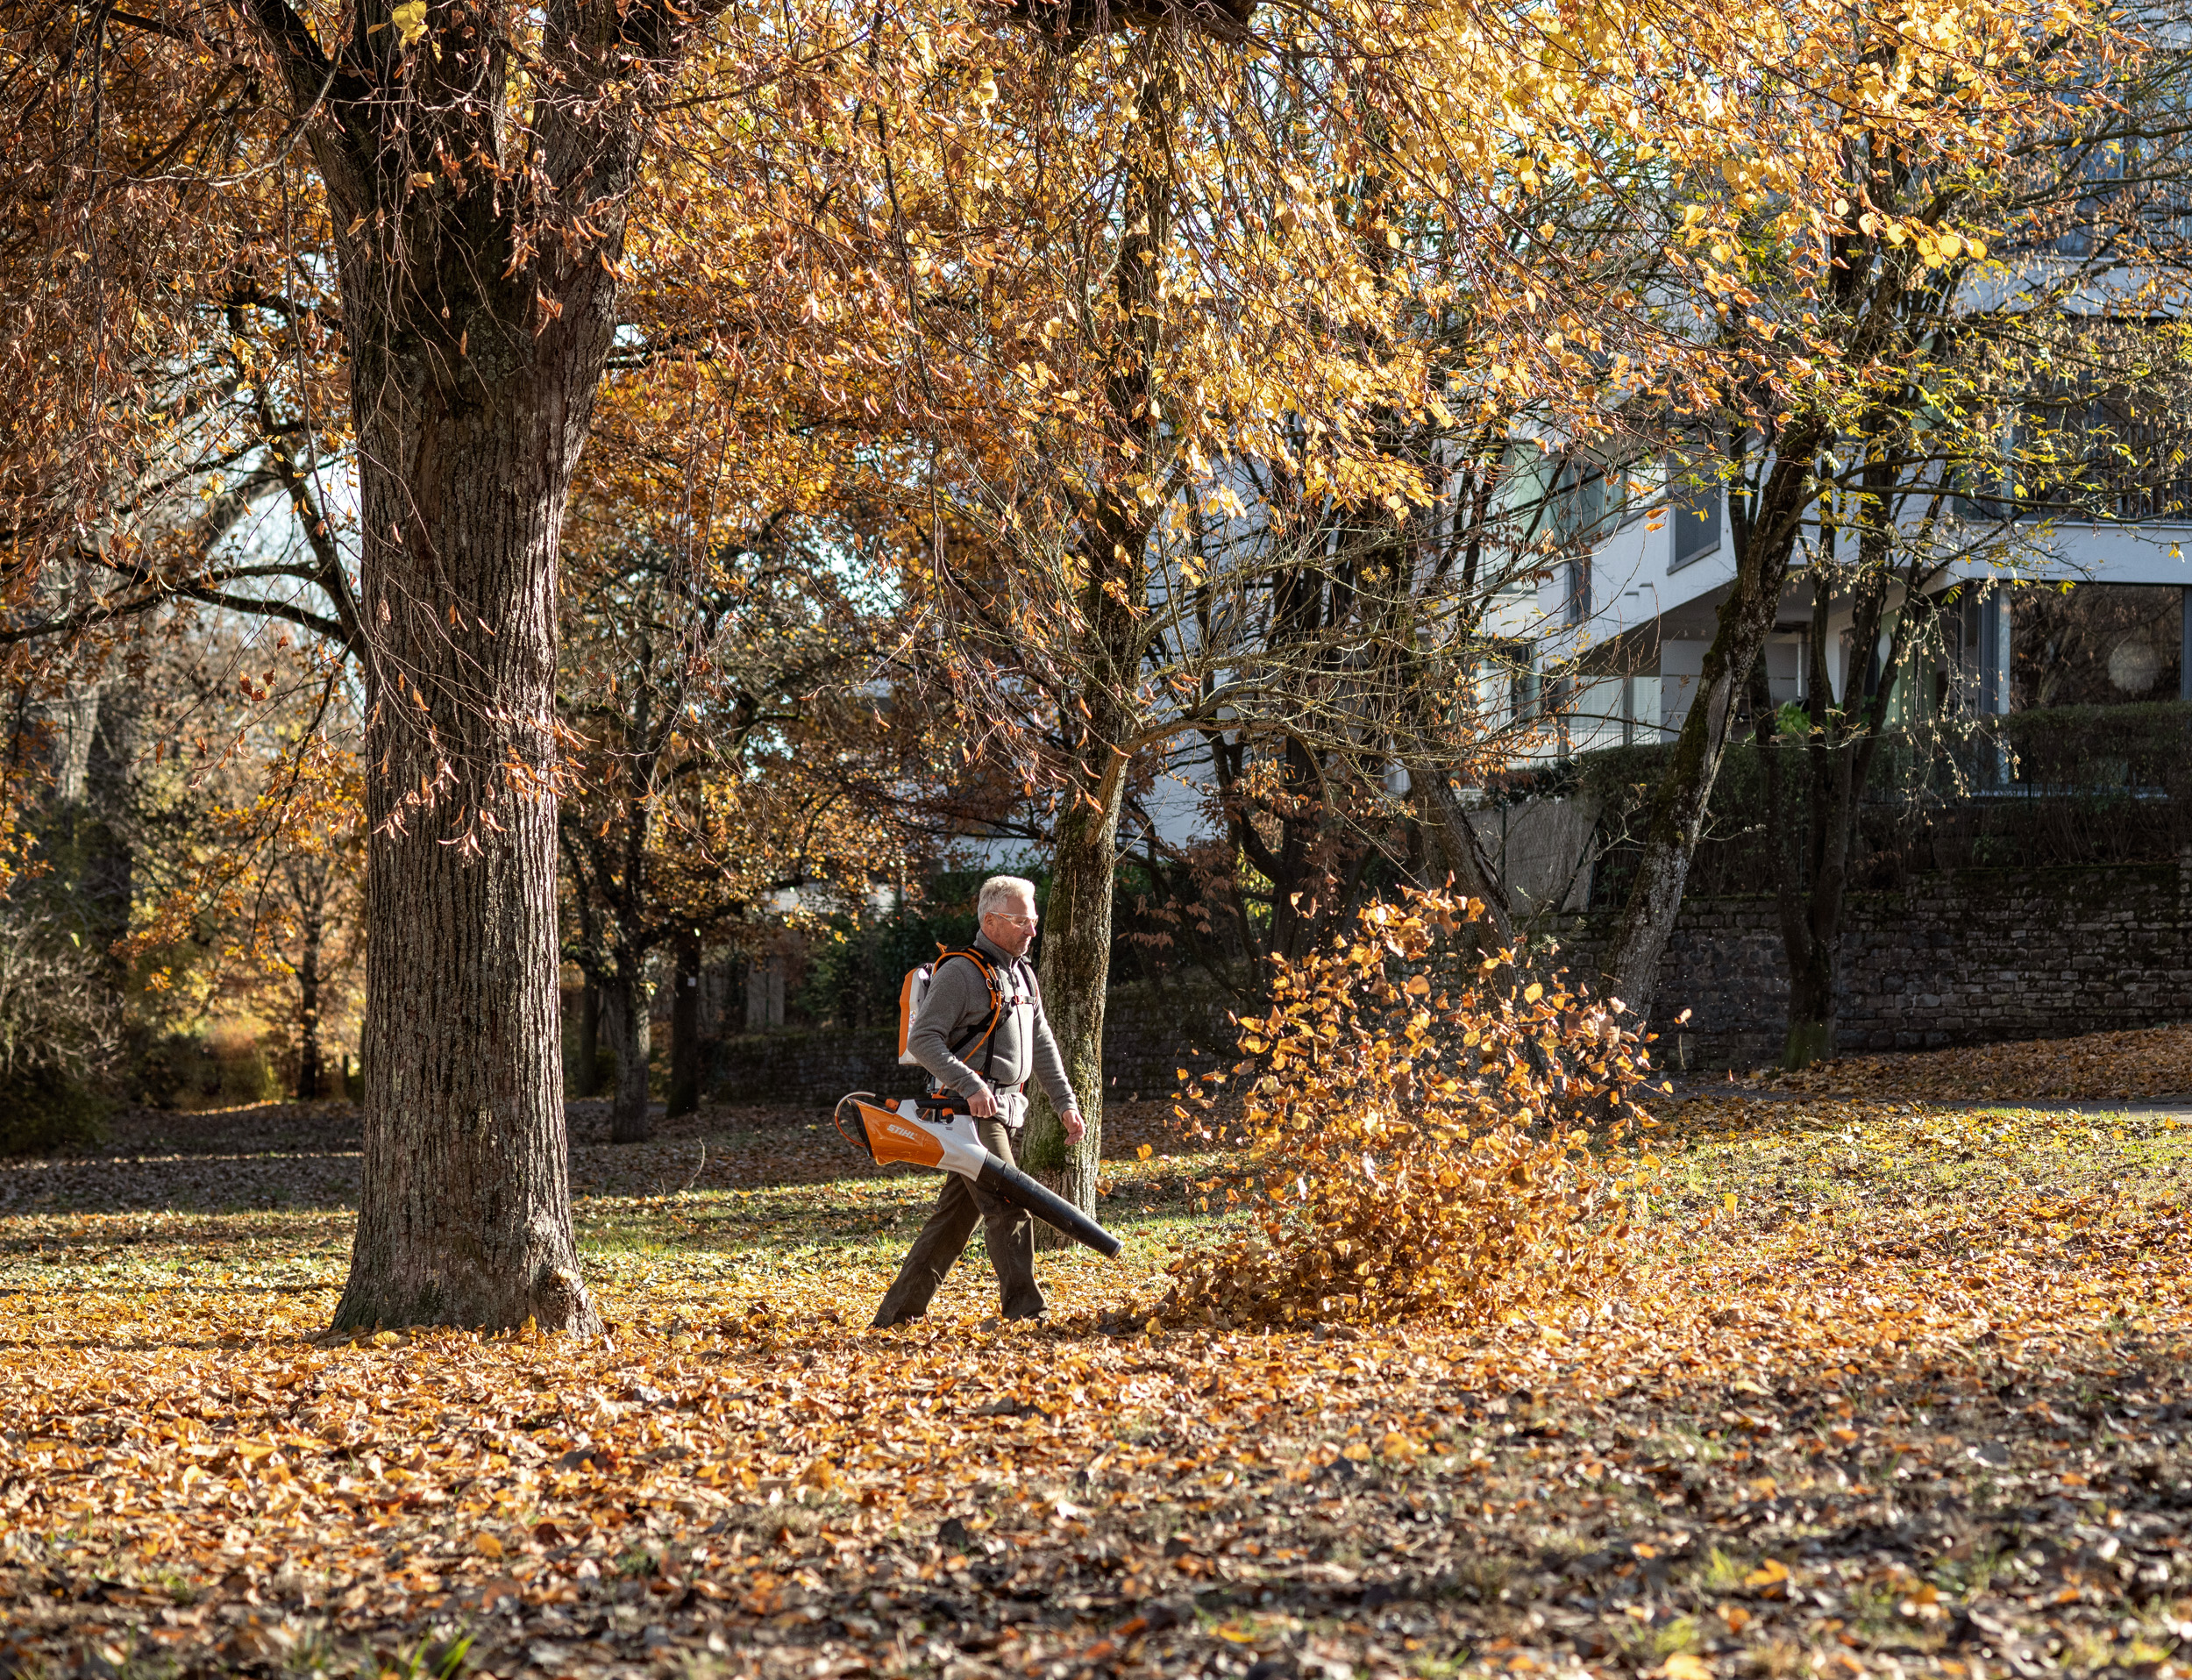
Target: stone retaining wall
x=1977, y=956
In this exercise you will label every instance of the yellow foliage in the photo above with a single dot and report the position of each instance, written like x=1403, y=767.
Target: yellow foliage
x=1413, y=1135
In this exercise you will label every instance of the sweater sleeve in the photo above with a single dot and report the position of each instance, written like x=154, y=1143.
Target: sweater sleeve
x=1050, y=1066
x=957, y=993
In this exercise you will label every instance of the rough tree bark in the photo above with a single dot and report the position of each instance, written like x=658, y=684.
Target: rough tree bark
x=478, y=319
x=685, y=1026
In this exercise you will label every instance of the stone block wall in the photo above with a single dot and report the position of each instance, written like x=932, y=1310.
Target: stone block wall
x=1149, y=1036
x=1966, y=956
x=1976, y=955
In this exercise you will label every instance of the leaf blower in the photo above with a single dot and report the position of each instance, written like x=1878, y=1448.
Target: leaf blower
x=904, y=1133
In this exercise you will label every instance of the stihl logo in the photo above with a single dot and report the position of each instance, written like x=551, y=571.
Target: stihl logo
x=905, y=1133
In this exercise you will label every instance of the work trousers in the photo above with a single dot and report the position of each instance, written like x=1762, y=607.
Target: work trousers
x=1006, y=1228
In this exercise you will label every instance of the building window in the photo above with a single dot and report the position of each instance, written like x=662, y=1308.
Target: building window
x=1581, y=503
x=2095, y=644
x=1697, y=520
x=1578, y=591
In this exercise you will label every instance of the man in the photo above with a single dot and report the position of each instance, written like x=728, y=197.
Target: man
x=955, y=1020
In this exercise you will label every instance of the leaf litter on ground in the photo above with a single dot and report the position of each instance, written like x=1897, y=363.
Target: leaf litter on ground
x=1888, y=1388
x=2154, y=1063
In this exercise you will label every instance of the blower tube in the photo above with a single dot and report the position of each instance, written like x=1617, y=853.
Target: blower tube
x=903, y=1133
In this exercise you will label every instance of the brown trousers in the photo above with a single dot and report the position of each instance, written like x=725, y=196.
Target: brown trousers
x=1006, y=1230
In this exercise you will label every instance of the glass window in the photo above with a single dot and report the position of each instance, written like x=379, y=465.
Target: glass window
x=2095, y=644
x=1697, y=515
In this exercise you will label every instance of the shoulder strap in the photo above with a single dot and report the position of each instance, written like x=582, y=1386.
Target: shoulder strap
x=987, y=1030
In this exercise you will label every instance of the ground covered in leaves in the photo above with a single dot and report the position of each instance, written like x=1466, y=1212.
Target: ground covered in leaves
x=1892, y=1388
x=2153, y=1062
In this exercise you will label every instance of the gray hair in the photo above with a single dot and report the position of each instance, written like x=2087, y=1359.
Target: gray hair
x=997, y=888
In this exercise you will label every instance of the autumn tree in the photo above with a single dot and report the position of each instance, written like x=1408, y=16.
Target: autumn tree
x=423, y=218
x=2010, y=406
x=1815, y=306
x=724, y=757
x=1159, y=534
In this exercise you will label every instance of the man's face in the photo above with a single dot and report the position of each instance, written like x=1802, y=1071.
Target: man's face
x=1012, y=929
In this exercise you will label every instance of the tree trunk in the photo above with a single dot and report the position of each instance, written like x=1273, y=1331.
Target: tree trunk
x=1837, y=753
x=1452, y=852
x=1763, y=549
x=309, y=1071
x=1075, y=970
x=586, y=1078
x=1807, y=879
x=477, y=320
x=685, y=1028
x=625, y=1018
x=110, y=862
x=465, y=1217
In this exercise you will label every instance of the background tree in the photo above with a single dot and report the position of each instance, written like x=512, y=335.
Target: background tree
x=710, y=702
x=1810, y=309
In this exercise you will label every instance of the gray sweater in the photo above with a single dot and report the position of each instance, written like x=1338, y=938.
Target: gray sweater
x=958, y=1004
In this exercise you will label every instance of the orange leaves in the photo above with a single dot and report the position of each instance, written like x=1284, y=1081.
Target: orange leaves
x=2153, y=1061
x=1411, y=1161
x=1763, y=1448
x=1770, y=1573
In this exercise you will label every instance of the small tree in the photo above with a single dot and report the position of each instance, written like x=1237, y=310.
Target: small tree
x=60, y=1031
x=721, y=752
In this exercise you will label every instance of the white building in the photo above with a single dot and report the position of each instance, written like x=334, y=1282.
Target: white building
x=2071, y=608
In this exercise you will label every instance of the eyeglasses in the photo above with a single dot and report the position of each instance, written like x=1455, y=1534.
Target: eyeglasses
x=1024, y=920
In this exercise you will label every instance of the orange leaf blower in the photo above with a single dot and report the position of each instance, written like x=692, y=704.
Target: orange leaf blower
x=904, y=1134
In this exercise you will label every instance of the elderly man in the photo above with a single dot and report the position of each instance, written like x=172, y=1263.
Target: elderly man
x=994, y=1019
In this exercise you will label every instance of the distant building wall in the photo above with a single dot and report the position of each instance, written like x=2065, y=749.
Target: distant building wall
x=1970, y=956
x=1966, y=957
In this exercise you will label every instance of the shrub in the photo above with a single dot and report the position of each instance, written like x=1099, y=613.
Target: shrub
x=221, y=1070
x=246, y=1073
x=59, y=1035
x=1415, y=1126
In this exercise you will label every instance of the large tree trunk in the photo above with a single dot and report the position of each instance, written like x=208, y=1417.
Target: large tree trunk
x=464, y=1216
x=477, y=319
x=625, y=1016
x=685, y=1027
x=1075, y=970
x=1763, y=548
x=468, y=436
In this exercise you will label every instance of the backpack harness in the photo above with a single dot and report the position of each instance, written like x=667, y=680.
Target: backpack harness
x=914, y=992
